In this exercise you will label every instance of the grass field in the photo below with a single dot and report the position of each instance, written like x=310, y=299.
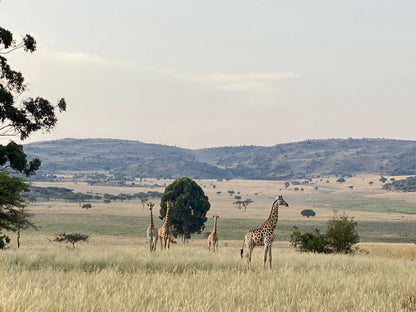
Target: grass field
x=114, y=271
x=120, y=274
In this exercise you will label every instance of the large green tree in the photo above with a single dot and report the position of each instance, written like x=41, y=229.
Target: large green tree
x=19, y=117
x=189, y=207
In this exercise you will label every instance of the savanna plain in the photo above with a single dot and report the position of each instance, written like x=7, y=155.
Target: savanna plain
x=115, y=271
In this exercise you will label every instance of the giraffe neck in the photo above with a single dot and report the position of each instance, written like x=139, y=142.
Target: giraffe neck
x=273, y=217
x=166, y=224
x=214, y=230
x=151, y=219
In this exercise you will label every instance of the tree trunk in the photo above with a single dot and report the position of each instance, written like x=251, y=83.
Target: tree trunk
x=18, y=238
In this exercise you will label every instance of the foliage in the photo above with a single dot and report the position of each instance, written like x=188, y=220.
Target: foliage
x=313, y=241
x=405, y=185
x=13, y=217
x=340, y=236
x=66, y=194
x=4, y=241
x=189, y=207
x=18, y=119
x=71, y=238
x=308, y=213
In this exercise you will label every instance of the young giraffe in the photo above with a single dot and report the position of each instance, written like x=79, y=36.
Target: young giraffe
x=213, y=237
x=164, y=232
x=264, y=235
x=151, y=230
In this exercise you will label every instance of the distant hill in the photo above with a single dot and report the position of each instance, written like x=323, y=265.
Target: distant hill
x=307, y=159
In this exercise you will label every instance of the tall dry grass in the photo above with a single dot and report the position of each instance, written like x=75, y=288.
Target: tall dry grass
x=110, y=274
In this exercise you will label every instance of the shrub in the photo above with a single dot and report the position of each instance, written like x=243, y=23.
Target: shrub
x=341, y=235
x=4, y=241
x=310, y=241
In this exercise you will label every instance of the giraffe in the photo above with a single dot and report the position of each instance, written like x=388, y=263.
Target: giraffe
x=213, y=237
x=151, y=230
x=164, y=232
x=264, y=235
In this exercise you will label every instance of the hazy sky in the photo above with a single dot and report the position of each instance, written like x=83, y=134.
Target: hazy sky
x=215, y=73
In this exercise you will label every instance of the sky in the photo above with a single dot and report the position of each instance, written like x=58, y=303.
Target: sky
x=198, y=74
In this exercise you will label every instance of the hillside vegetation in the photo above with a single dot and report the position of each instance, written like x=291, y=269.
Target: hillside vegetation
x=307, y=159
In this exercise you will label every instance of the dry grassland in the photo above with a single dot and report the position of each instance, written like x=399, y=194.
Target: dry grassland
x=115, y=271
x=329, y=196
x=120, y=274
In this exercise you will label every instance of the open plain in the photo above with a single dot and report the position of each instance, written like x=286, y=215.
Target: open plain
x=115, y=271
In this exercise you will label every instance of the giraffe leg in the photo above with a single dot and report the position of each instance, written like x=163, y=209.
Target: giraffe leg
x=266, y=249
x=270, y=257
x=209, y=246
x=250, y=250
x=168, y=241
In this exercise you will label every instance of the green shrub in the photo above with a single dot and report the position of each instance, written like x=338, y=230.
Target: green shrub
x=341, y=235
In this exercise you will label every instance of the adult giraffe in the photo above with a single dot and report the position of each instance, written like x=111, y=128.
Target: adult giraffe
x=213, y=237
x=264, y=235
x=164, y=232
x=151, y=230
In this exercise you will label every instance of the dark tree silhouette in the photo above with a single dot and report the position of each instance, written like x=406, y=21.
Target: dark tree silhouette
x=189, y=207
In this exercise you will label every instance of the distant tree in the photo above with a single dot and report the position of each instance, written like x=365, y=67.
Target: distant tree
x=351, y=187
x=371, y=182
x=231, y=193
x=189, y=207
x=246, y=202
x=287, y=184
x=72, y=238
x=219, y=193
x=383, y=179
x=87, y=206
x=308, y=213
x=341, y=180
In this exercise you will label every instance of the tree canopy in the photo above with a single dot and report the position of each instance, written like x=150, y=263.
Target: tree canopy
x=19, y=117
x=189, y=207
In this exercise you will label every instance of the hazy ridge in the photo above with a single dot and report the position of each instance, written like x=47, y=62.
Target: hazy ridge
x=306, y=159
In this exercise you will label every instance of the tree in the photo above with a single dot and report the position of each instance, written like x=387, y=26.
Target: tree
x=342, y=234
x=71, y=238
x=13, y=216
x=18, y=118
x=308, y=213
x=189, y=207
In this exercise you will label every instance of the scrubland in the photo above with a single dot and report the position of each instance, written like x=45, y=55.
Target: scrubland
x=115, y=270
x=120, y=274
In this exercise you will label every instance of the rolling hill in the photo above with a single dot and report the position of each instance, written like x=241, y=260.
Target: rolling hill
x=306, y=159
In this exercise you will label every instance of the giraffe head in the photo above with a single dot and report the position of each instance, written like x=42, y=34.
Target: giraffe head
x=150, y=205
x=215, y=217
x=281, y=201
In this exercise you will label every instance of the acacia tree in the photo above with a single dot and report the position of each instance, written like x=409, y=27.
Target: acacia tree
x=189, y=207
x=18, y=118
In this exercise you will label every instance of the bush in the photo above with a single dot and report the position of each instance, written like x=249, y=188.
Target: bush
x=4, y=241
x=341, y=235
x=310, y=241
x=308, y=213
